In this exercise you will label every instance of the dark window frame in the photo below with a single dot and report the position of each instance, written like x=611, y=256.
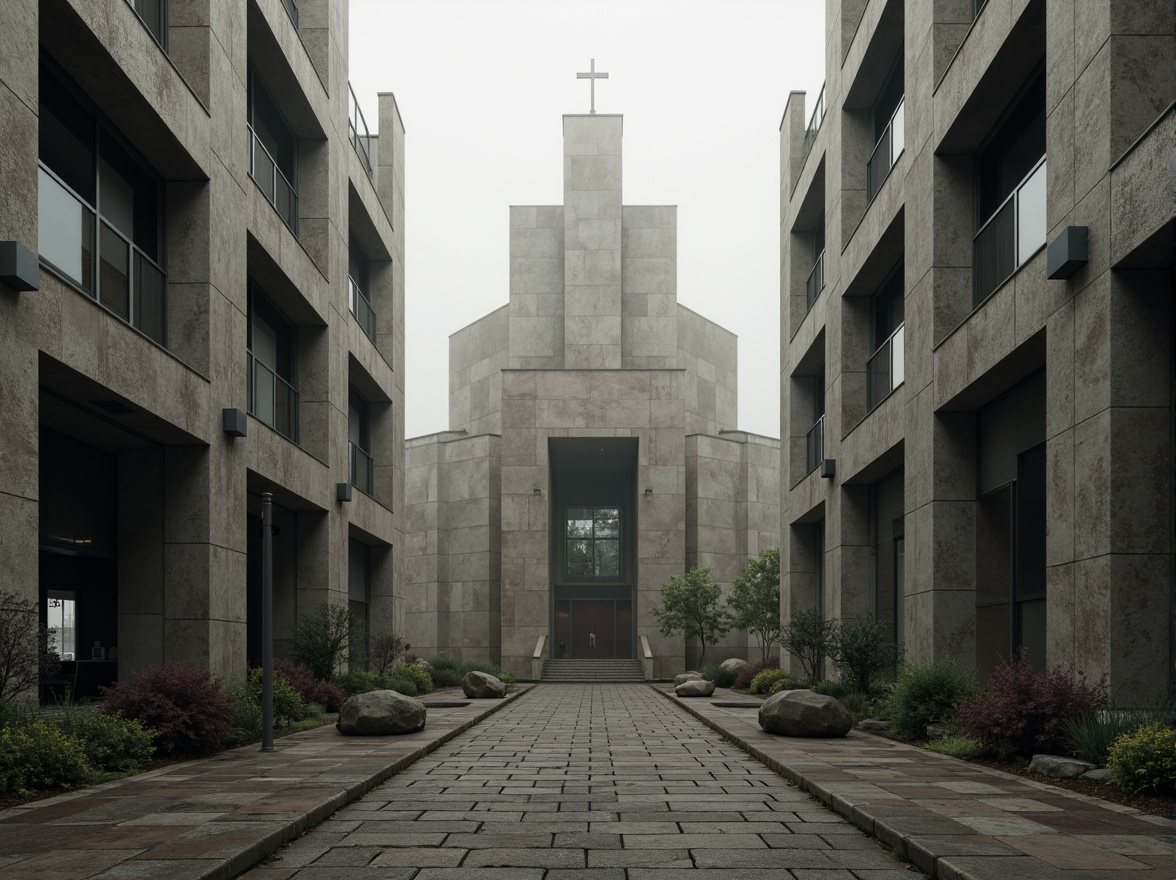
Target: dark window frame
x=572, y=577
x=259, y=305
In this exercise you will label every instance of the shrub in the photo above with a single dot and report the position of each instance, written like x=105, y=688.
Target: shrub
x=359, y=681
x=288, y=703
x=788, y=683
x=963, y=747
x=445, y=678
x=246, y=722
x=763, y=681
x=507, y=678
x=860, y=651
x=27, y=654
x=835, y=689
x=413, y=673
x=1090, y=736
x=386, y=650
x=405, y=686
x=39, y=755
x=323, y=693
x=186, y=705
x=926, y=694
x=324, y=638
x=110, y=742
x=1022, y=712
x=1144, y=760
x=811, y=638
x=747, y=673
x=722, y=677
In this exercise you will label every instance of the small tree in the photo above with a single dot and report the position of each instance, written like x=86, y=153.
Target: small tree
x=325, y=637
x=27, y=652
x=860, y=651
x=691, y=606
x=811, y=638
x=755, y=599
x=386, y=649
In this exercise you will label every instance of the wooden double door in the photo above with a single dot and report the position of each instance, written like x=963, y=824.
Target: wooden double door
x=594, y=628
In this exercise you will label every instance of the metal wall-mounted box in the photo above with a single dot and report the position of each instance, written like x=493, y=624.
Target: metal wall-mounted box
x=1067, y=253
x=828, y=467
x=235, y=422
x=19, y=268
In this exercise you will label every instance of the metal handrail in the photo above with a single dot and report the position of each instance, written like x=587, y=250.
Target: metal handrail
x=815, y=120
x=992, y=266
x=139, y=266
x=814, y=444
x=885, y=369
x=815, y=282
x=361, y=307
x=892, y=134
x=291, y=10
x=361, y=469
x=356, y=123
x=285, y=418
x=290, y=215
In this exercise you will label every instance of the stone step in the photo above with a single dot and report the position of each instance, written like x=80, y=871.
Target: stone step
x=578, y=670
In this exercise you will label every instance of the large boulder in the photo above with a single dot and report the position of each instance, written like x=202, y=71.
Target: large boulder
x=482, y=685
x=687, y=676
x=380, y=713
x=698, y=687
x=1057, y=767
x=734, y=665
x=804, y=713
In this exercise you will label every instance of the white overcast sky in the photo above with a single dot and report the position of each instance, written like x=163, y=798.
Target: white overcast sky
x=482, y=86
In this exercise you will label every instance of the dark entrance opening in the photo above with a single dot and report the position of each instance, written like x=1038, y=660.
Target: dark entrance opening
x=593, y=546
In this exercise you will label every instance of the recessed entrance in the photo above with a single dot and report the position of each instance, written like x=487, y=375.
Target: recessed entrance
x=594, y=628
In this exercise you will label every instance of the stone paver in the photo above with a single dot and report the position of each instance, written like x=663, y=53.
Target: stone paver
x=606, y=781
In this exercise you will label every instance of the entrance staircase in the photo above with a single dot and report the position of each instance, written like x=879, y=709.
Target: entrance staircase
x=594, y=671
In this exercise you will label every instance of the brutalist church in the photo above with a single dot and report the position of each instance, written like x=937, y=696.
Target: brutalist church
x=202, y=301
x=591, y=451
x=977, y=332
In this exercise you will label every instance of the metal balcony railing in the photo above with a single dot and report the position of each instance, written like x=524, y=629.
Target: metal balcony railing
x=886, y=151
x=885, y=368
x=815, y=120
x=815, y=282
x=273, y=183
x=357, y=130
x=154, y=15
x=977, y=5
x=291, y=10
x=127, y=282
x=361, y=469
x=361, y=307
x=1014, y=232
x=814, y=445
x=272, y=399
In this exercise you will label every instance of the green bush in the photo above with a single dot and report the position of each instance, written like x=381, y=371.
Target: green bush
x=413, y=673
x=326, y=637
x=445, y=678
x=722, y=678
x=110, y=742
x=507, y=678
x=860, y=651
x=963, y=747
x=405, y=686
x=835, y=689
x=763, y=682
x=246, y=722
x=811, y=638
x=288, y=703
x=787, y=683
x=926, y=694
x=1089, y=737
x=1144, y=760
x=39, y=755
x=359, y=681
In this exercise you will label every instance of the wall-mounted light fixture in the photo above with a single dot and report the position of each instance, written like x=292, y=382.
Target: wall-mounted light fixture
x=536, y=491
x=828, y=467
x=342, y=491
x=18, y=266
x=1067, y=253
x=234, y=422
x=648, y=493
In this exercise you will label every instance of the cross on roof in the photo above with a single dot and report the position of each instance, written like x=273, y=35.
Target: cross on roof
x=592, y=76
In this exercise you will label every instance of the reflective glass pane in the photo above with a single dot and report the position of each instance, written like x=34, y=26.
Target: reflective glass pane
x=149, y=299
x=1031, y=215
x=897, y=132
x=114, y=290
x=580, y=522
x=65, y=230
x=608, y=558
x=263, y=393
x=608, y=522
x=898, y=356
x=580, y=558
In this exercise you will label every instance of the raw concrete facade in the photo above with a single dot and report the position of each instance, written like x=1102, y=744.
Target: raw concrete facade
x=227, y=176
x=996, y=470
x=593, y=386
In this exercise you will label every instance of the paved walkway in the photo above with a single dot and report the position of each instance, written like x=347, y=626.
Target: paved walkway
x=610, y=782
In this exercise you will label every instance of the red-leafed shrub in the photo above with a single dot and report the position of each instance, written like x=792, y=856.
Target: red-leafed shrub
x=1022, y=712
x=185, y=704
x=329, y=696
x=747, y=673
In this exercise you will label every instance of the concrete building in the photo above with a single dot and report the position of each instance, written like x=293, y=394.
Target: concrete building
x=590, y=454
x=216, y=312
x=976, y=310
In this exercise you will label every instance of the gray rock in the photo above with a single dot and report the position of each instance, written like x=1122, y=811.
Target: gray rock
x=1102, y=774
x=687, y=676
x=804, y=713
x=380, y=713
x=1057, y=767
x=734, y=664
x=873, y=724
x=939, y=731
x=698, y=687
x=482, y=685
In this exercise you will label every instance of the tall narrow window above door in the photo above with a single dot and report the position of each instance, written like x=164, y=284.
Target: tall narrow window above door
x=593, y=536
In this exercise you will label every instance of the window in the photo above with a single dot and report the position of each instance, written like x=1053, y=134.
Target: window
x=154, y=15
x=60, y=610
x=887, y=536
x=815, y=439
x=815, y=282
x=273, y=152
x=1010, y=193
x=885, y=368
x=814, y=123
x=593, y=536
x=359, y=600
x=99, y=212
x=357, y=131
x=272, y=396
x=359, y=288
x=889, y=130
x=359, y=437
